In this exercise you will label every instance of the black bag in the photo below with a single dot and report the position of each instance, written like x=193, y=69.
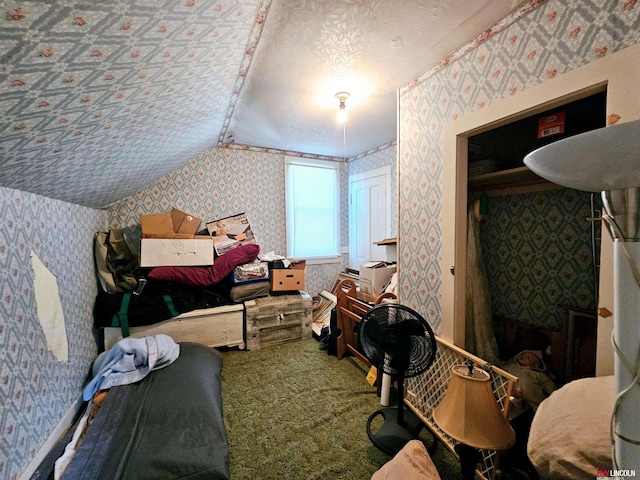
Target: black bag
x=329, y=340
x=158, y=302
x=116, y=264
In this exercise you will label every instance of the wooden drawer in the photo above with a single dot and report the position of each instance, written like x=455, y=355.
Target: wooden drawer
x=214, y=327
x=278, y=319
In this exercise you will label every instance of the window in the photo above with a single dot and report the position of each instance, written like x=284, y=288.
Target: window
x=312, y=199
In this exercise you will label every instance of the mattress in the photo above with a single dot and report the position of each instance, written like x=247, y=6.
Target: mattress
x=169, y=425
x=569, y=435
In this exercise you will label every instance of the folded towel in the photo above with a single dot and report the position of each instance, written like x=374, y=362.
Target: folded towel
x=130, y=360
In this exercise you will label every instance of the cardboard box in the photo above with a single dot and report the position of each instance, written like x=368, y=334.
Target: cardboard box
x=298, y=264
x=183, y=223
x=174, y=252
x=174, y=224
x=389, y=247
x=287, y=279
x=156, y=225
x=551, y=125
x=375, y=276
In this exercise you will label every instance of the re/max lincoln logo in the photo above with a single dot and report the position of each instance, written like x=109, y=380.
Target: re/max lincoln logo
x=609, y=474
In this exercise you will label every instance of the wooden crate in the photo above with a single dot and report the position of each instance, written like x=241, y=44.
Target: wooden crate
x=278, y=319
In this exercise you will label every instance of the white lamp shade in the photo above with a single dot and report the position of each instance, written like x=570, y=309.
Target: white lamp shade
x=603, y=159
x=469, y=411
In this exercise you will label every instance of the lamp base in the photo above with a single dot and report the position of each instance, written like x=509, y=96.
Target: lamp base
x=393, y=435
x=469, y=458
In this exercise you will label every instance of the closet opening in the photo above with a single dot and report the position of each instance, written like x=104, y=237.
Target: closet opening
x=504, y=147
x=537, y=245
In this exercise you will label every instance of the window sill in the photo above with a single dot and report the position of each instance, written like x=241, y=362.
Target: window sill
x=321, y=260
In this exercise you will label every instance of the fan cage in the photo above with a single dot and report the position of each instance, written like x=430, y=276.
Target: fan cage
x=424, y=392
x=422, y=346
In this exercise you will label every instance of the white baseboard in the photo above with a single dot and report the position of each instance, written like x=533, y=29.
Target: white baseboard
x=57, y=433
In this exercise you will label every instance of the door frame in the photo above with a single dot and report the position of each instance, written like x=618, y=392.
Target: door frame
x=617, y=73
x=384, y=171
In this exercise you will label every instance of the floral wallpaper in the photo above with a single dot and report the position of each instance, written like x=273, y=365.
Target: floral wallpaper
x=93, y=93
x=536, y=43
x=539, y=251
x=539, y=42
x=36, y=389
x=224, y=182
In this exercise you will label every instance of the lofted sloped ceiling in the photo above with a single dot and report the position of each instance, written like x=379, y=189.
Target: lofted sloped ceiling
x=311, y=49
x=99, y=99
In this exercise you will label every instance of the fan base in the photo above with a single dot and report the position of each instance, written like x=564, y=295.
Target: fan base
x=392, y=435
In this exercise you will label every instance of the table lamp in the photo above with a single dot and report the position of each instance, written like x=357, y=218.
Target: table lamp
x=469, y=413
x=607, y=160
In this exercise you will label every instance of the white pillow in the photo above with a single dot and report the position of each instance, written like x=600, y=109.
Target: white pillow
x=411, y=463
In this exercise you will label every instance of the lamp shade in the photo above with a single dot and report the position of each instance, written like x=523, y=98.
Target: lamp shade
x=470, y=413
x=602, y=159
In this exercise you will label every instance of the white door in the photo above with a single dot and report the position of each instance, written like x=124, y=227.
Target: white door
x=369, y=215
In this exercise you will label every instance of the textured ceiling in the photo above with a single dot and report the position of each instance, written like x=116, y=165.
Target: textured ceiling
x=98, y=100
x=311, y=49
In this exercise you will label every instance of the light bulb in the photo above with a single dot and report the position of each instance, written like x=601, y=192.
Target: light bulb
x=342, y=115
x=342, y=112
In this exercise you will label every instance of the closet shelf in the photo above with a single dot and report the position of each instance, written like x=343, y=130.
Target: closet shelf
x=387, y=241
x=509, y=182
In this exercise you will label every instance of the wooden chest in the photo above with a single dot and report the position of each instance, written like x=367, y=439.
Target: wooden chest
x=277, y=319
x=214, y=327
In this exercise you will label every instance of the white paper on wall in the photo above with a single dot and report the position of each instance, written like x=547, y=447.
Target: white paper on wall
x=49, y=309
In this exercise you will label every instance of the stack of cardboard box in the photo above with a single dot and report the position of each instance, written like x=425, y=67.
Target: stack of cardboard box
x=375, y=276
x=170, y=239
x=288, y=279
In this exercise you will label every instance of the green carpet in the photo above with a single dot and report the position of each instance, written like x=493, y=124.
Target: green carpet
x=293, y=412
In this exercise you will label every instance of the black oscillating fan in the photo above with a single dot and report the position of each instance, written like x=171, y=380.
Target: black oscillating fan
x=399, y=342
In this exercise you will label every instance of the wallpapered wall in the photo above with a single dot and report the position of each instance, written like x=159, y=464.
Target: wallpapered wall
x=530, y=47
x=36, y=389
x=224, y=182
x=94, y=92
x=524, y=50
x=538, y=256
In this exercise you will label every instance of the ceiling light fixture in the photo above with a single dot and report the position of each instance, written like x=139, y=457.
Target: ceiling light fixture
x=342, y=112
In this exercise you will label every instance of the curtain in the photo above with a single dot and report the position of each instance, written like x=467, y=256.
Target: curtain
x=479, y=337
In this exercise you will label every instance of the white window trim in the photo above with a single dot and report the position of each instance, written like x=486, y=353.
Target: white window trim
x=324, y=260
x=288, y=160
